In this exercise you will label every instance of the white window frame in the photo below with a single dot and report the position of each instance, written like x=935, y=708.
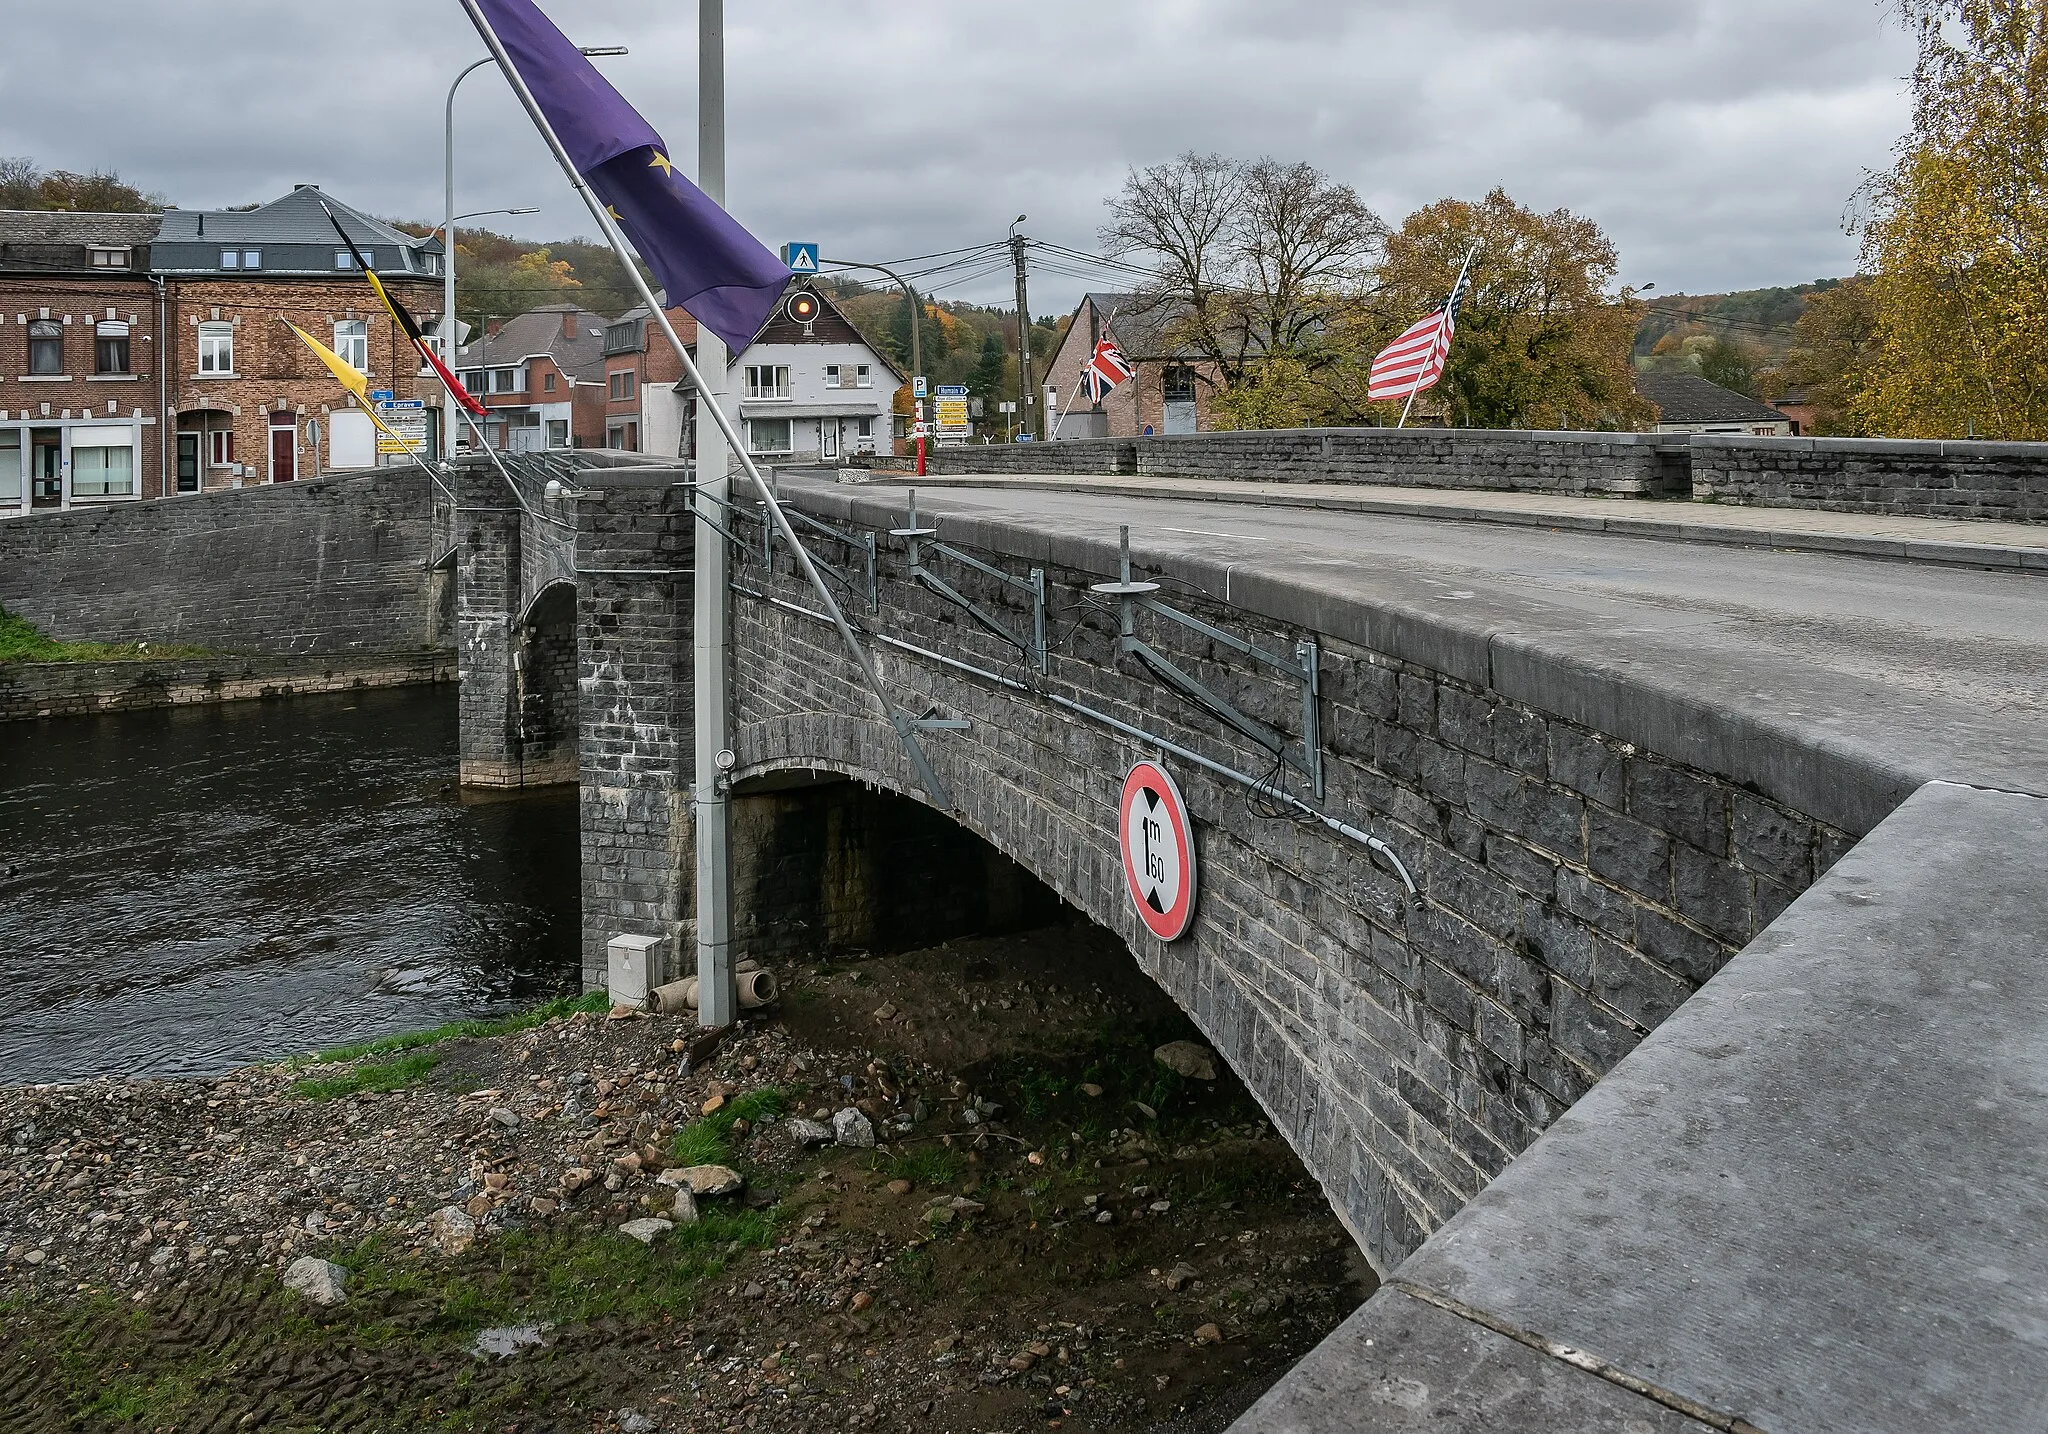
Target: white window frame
x=217, y=349
x=14, y=474
x=103, y=331
x=768, y=381
x=755, y=427
x=111, y=258
x=863, y=376
x=352, y=342
x=81, y=470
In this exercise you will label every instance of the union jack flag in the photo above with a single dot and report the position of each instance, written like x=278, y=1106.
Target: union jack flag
x=1106, y=369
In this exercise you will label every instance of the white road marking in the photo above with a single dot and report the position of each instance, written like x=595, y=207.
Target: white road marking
x=1211, y=533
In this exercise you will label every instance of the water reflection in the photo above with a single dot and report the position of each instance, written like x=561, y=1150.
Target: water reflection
x=189, y=890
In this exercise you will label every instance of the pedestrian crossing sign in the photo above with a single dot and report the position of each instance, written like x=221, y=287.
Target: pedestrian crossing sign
x=801, y=258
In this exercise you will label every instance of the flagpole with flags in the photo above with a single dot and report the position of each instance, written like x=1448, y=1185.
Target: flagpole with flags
x=1463, y=269
x=905, y=730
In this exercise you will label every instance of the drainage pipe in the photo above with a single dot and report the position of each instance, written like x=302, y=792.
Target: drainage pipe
x=756, y=989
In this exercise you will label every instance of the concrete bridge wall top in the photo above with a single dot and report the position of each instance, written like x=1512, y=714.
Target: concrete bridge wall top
x=325, y=565
x=2006, y=481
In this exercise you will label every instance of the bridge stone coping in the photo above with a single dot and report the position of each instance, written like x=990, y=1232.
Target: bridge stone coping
x=1811, y=1200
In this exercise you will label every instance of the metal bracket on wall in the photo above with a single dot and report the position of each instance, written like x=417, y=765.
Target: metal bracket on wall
x=869, y=585
x=1304, y=668
x=918, y=538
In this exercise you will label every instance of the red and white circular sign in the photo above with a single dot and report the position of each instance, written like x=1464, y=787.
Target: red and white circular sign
x=1159, y=851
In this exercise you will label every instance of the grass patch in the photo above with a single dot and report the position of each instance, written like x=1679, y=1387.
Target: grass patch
x=934, y=1165
x=1046, y=1089
x=22, y=641
x=709, y=1141
x=375, y=1076
x=591, y=1002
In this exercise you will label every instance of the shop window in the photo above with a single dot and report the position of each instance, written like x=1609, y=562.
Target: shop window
x=103, y=472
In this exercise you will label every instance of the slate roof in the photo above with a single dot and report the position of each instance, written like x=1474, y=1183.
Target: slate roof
x=1688, y=398
x=1140, y=323
x=66, y=226
x=539, y=331
x=292, y=231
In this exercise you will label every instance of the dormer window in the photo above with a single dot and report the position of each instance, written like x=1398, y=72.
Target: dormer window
x=110, y=258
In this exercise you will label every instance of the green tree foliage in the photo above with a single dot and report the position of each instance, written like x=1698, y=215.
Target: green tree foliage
x=1541, y=342
x=1833, y=347
x=1957, y=233
x=1730, y=363
x=985, y=379
x=24, y=186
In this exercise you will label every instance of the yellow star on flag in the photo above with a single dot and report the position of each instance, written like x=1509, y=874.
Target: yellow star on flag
x=662, y=162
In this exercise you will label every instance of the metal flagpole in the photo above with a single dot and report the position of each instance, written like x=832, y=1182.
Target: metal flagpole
x=717, y=1001
x=906, y=731
x=1463, y=269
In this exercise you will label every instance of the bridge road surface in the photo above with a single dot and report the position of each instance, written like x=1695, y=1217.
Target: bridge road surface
x=1813, y=1200
x=1933, y=670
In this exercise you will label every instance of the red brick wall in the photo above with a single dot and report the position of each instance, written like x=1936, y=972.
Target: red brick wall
x=77, y=305
x=275, y=374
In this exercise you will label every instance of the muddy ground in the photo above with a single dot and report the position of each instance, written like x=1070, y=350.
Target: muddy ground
x=1053, y=1229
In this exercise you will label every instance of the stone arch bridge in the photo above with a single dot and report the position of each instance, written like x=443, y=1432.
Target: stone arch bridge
x=1617, y=1175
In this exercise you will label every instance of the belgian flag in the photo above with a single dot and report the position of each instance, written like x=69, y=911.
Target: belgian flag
x=406, y=322
x=352, y=378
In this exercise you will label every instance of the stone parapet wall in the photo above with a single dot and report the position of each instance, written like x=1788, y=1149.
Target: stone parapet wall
x=1911, y=478
x=1575, y=887
x=1634, y=464
x=324, y=565
x=29, y=690
x=2004, y=481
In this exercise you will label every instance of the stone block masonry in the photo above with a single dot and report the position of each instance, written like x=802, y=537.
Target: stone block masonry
x=1575, y=888
x=30, y=690
x=1622, y=464
x=326, y=566
x=1911, y=478
x=635, y=693
x=2005, y=481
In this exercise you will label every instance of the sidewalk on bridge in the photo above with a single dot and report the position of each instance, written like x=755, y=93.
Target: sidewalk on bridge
x=1979, y=543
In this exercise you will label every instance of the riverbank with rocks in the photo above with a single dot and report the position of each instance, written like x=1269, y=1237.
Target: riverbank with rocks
x=996, y=1185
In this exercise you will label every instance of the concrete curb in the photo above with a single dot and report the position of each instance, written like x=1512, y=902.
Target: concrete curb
x=1972, y=555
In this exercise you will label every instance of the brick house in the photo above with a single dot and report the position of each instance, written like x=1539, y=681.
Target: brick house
x=1174, y=387
x=81, y=386
x=808, y=391
x=542, y=376
x=251, y=404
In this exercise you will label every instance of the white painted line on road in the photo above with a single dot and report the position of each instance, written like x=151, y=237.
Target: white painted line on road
x=1211, y=533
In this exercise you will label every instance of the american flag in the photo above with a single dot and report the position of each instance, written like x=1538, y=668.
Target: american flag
x=1106, y=370
x=1415, y=361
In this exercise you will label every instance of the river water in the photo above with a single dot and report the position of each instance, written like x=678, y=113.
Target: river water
x=189, y=890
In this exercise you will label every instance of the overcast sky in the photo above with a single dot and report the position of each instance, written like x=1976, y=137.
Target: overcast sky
x=1716, y=141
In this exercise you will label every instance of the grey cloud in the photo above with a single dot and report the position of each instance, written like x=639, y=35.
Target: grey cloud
x=1717, y=141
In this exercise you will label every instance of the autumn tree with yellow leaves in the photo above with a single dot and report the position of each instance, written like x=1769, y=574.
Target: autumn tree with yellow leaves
x=1956, y=238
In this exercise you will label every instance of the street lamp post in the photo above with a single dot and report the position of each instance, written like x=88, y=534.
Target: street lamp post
x=447, y=329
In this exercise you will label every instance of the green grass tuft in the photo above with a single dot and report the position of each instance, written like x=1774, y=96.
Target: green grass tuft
x=21, y=641
x=593, y=1002
x=376, y=1076
x=708, y=1141
x=933, y=1166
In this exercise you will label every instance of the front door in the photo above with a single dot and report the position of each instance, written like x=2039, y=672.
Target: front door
x=188, y=463
x=47, y=480
x=828, y=439
x=284, y=454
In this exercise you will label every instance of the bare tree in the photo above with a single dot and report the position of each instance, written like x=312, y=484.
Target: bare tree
x=20, y=182
x=1253, y=260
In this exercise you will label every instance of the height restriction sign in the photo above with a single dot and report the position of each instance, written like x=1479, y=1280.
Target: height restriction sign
x=1159, y=851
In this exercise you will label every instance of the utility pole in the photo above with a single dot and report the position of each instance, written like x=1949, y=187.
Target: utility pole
x=717, y=1002
x=1025, y=396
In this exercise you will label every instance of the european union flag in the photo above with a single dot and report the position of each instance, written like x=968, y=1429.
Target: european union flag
x=709, y=264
